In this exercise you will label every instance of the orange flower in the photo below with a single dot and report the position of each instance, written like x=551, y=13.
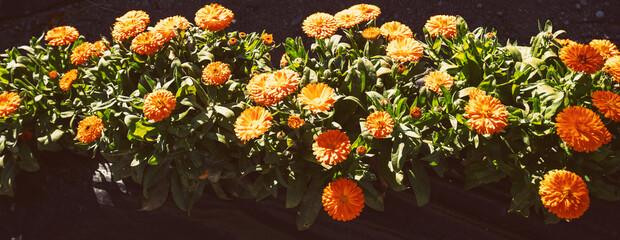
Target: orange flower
x=441, y=24
x=331, y=147
x=436, y=78
x=564, y=42
x=605, y=48
x=369, y=11
x=284, y=60
x=405, y=49
x=343, y=199
x=582, y=58
x=348, y=18
x=166, y=26
x=67, y=79
x=371, y=32
x=159, y=104
x=258, y=92
x=283, y=83
x=216, y=73
x=608, y=103
x=487, y=115
x=62, y=35
x=128, y=28
x=204, y=175
x=53, y=74
x=9, y=102
x=401, y=67
x=612, y=66
x=267, y=38
x=252, y=123
x=214, y=17
x=316, y=97
x=232, y=41
x=147, y=43
x=241, y=34
x=379, y=124
x=135, y=14
x=361, y=150
x=476, y=93
x=320, y=25
x=100, y=47
x=415, y=112
x=581, y=129
x=89, y=129
x=395, y=30
x=83, y=52
x=295, y=122
x=564, y=193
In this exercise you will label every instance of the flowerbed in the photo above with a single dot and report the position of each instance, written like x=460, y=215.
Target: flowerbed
x=179, y=107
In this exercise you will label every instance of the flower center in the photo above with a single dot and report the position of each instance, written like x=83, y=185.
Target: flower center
x=567, y=193
x=159, y=103
x=582, y=59
x=344, y=198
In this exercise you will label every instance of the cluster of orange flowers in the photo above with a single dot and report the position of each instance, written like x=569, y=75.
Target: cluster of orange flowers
x=591, y=58
x=270, y=88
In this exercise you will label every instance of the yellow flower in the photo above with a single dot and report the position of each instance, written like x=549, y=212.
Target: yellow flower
x=441, y=24
x=252, y=123
x=320, y=25
x=395, y=30
x=216, y=73
x=608, y=103
x=436, y=78
x=405, y=49
x=379, y=124
x=62, y=35
x=166, y=26
x=331, y=147
x=343, y=199
x=348, y=18
x=214, y=17
x=316, y=97
x=564, y=193
x=582, y=58
x=159, y=104
x=605, y=48
x=371, y=32
x=9, y=102
x=581, y=129
x=89, y=129
x=369, y=11
x=67, y=79
x=83, y=52
x=612, y=66
x=295, y=122
x=486, y=115
x=147, y=43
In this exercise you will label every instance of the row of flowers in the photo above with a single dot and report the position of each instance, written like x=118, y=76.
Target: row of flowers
x=179, y=107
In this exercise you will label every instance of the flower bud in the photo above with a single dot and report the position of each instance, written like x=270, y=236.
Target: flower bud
x=361, y=150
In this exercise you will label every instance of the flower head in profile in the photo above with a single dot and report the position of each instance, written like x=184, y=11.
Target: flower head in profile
x=433, y=80
x=343, y=199
x=608, y=104
x=415, y=112
x=582, y=58
x=371, y=32
x=284, y=60
x=216, y=73
x=257, y=90
x=405, y=49
x=62, y=35
x=395, y=30
x=214, y=17
x=295, y=122
x=67, y=79
x=348, y=18
x=83, y=52
x=331, y=147
x=9, y=102
x=320, y=25
x=369, y=11
x=612, y=66
x=135, y=14
x=128, y=28
x=100, y=47
x=147, y=43
x=476, y=93
x=444, y=25
x=316, y=97
x=605, y=48
x=267, y=38
x=564, y=42
x=53, y=74
x=486, y=115
x=581, y=129
x=166, y=27
x=564, y=193
x=379, y=124
x=89, y=129
x=252, y=123
x=159, y=104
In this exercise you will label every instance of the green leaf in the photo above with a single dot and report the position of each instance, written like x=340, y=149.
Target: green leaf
x=419, y=183
x=297, y=188
x=224, y=111
x=26, y=158
x=157, y=194
x=310, y=204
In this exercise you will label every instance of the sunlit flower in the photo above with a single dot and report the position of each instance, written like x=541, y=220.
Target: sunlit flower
x=252, y=123
x=581, y=129
x=564, y=193
x=582, y=58
x=348, y=18
x=320, y=25
x=166, y=26
x=128, y=28
x=83, y=52
x=295, y=122
x=258, y=92
x=415, y=112
x=214, y=17
x=379, y=124
x=316, y=97
x=9, y=102
x=331, y=147
x=53, y=74
x=605, y=48
x=343, y=199
x=284, y=60
x=395, y=30
x=608, y=103
x=232, y=41
x=267, y=38
x=434, y=79
x=159, y=104
x=612, y=66
x=441, y=24
x=216, y=73
x=89, y=129
x=100, y=47
x=564, y=42
x=135, y=14
x=62, y=35
x=369, y=11
x=405, y=49
x=242, y=34
x=487, y=115
x=67, y=79
x=476, y=93
x=283, y=83
x=147, y=43
x=371, y=32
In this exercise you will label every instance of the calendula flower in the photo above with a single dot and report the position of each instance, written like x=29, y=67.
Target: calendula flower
x=284, y=60
x=612, y=66
x=166, y=26
x=62, y=35
x=100, y=47
x=605, y=48
x=89, y=129
x=379, y=124
x=135, y=14
x=295, y=122
x=405, y=49
x=83, y=52
x=316, y=97
x=361, y=150
x=348, y=18
x=25, y=136
x=369, y=11
x=331, y=147
x=9, y=102
x=267, y=38
x=436, y=78
x=401, y=67
x=216, y=73
x=582, y=58
x=476, y=93
x=242, y=35
x=283, y=83
x=258, y=92
x=67, y=79
x=441, y=24
x=608, y=103
x=343, y=199
x=128, y=28
x=371, y=32
x=395, y=30
x=53, y=74
x=581, y=129
x=214, y=17
x=159, y=104
x=415, y=112
x=564, y=42
x=252, y=123
x=147, y=43
x=564, y=193
x=320, y=25
x=232, y=41
x=487, y=115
